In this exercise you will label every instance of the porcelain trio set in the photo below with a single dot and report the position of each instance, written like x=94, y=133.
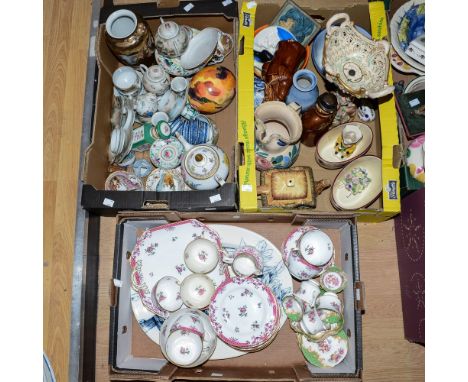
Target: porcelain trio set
x=291, y=113
x=201, y=296
x=160, y=129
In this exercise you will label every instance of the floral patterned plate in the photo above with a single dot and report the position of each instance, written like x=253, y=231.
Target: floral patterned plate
x=326, y=353
x=244, y=312
x=159, y=252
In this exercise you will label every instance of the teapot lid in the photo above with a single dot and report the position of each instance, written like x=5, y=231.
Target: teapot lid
x=168, y=29
x=202, y=162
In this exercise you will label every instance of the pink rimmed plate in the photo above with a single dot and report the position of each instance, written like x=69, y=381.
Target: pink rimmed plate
x=159, y=252
x=244, y=313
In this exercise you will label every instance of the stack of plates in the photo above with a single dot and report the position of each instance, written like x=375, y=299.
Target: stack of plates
x=412, y=66
x=245, y=314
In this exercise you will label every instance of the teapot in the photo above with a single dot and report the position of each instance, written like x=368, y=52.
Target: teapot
x=204, y=167
x=171, y=40
x=278, y=128
x=155, y=79
x=356, y=64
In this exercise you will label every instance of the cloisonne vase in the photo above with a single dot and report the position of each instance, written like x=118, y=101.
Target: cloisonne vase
x=129, y=38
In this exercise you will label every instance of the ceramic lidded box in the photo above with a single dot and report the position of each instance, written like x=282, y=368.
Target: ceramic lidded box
x=355, y=63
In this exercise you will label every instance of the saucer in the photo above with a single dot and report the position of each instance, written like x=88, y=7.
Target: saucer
x=166, y=180
x=326, y=353
x=123, y=181
x=244, y=312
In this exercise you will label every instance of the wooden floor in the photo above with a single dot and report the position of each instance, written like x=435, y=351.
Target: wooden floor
x=387, y=355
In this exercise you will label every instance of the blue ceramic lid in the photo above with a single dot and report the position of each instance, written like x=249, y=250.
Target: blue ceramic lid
x=142, y=168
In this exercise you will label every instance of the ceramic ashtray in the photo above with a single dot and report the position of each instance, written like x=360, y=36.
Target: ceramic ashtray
x=333, y=279
x=334, y=151
x=358, y=185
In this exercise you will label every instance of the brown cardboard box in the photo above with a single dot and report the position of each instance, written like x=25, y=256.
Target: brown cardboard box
x=133, y=356
x=95, y=170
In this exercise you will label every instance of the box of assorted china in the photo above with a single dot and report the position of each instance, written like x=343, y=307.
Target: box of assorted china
x=164, y=129
x=214, y=295
x=321, y=129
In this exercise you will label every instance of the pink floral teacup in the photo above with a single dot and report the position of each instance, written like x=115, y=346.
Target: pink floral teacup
x=183, y=348
x=311, y=322
x=201, y=255
x=196, y=291
x=293, y=307
x=190, y=323
x=330, y=301
x=309, y=291
x=166, y=294
x=246, y=261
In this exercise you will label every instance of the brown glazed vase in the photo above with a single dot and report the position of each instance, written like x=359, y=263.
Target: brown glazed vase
x=278, y=73
x=129, y=38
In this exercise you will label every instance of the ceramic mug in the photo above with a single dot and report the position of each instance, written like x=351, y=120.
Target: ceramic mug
x=183, y=348
x=311, y=322
x=190, y=323
x=246, y=261
x=309, y=291
x=196, y=291
x=201, y=255
x=330, y=301
x=166, y=294
x=126, y=80
x=315, y=246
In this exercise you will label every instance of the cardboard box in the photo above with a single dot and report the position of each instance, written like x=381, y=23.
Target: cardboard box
x=95, y=170
x=372, y=17
x=133, y=356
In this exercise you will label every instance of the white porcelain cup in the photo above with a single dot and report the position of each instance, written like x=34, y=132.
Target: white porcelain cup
x=201, y=255
x=316, y=247
x=190, y=323
x=309, y=291
x=166, y=294
x=311, y=322
x=126, y=79
x=300, y=268
x=196, y=291
x=246, y=261
x=158, y=117
x=179, y=84
x=330, y=301
x=183, y=348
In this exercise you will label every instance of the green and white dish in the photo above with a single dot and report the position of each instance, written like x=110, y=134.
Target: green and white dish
x=326, y=353
x=333, y=280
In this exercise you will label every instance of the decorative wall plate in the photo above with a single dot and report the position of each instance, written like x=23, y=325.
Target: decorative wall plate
x=358, y=185
x=332, y=154
x=150, y=261
x=326, y=353
x=244, y=312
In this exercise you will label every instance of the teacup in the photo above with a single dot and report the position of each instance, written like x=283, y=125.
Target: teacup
x=179, y=84
x=196, y=291
x=309, y=291
x=316, y=247
x=300, y=268
x=294, y=307
x=246, y=261
x=330, y=301
x=158, y=117
x=166, y=294
x=183, y=348
x=127, y=80
x=311, y=322
x=201, y=255
x=190, y=323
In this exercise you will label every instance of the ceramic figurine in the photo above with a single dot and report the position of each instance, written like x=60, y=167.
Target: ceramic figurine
x=316, y=121
x=129, y=38
x=278, y=73
x=171, y=39
x=204, y=167
x=365, y=113
x=290, y=188
x=278, y=128
x=266, y=42
x=212, y=89
x=347, y=63
x=346, y=108
x=155, y=79
x=304, y=90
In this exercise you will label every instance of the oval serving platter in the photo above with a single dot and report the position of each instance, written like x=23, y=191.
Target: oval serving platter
x=358, y=184
x=325, y=152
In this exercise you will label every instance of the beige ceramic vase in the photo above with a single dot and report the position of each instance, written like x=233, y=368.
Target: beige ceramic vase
x=356, y=64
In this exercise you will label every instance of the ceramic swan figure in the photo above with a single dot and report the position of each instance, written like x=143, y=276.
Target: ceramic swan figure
x=356, y=64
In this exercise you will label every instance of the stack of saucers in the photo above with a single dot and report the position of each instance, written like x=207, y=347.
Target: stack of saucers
x=245, y=314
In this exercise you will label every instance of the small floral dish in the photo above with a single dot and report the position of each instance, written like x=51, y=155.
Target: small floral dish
x=166, y=180
x=123, y=181
x=358, y=185
x=244, y=313
x=399, y=64
x=333, y=279
x=326, y=353
x=332, y=153
x=196, y=291
x=201, y=256
x=142, y=168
